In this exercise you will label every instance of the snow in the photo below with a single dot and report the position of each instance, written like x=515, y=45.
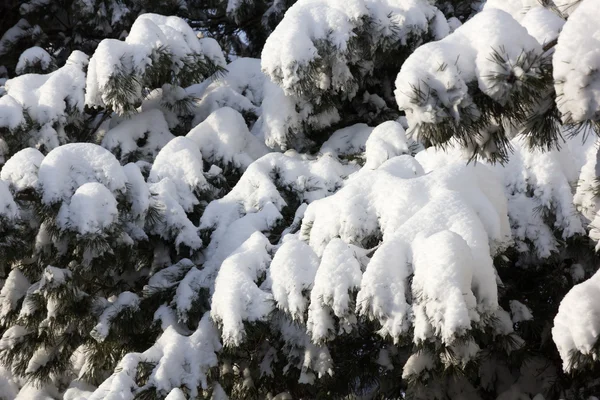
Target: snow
x=14, y=288
x=125, y=301
x=92, y=210
x=21, y=170
x=8, y=387
x=8, y=207
x=32, y=56
x=444, y=69
x=338, y=275
x=237, y=298
x=577, y=324
x=299, y=40
x=180, y=161
x=386, y=141
x=48, y=98
x=174, y=224
x=520, y=312
x=254, y=204
x=181, y=361
x=142, y=135
x=70, y=166
x=576, y=84
x=292, y=273
x=348, y=141
x=240, y=88
x=224, y=139
x=133, y=56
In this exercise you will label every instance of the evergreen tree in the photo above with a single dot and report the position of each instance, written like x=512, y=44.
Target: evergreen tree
x=296, y=226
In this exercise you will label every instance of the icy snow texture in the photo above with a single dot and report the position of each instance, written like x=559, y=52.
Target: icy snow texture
x=70, y=166
x=144, y=133
x=443, y=69
x=223, y=138
x=21, y=170
x=148, y=33
x=32, y=56
x=576, y=62
x=237, y=298
x=14, y=288
x=577, y=324
x=92, y=210
x=46, y=98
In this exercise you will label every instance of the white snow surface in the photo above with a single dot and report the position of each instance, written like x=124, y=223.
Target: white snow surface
x=46, y=98
x=577, y=85
x=21, y=170
x=443, y=69
x=293, y=45
x=577, y=324
x=70, y=166
x=32, y=56
x=134, y=55
x=146, y=132
x=92, y=209
x=223, y=138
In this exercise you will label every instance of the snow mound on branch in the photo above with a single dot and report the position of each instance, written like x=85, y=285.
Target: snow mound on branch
x=292, y=272
x=125, y=300
x=311, y=26
x=223, y=138
x=149, y=33
x=21, y=170
x=454, y=209
x=348, y=141
x=70, y=166
x=175, y=224
x=145, y=133
x=8, y=207
x=240, y=88
x=92, y=209
x=181, y=162
x=46, y=98
x=541, y=22
x=577, y=324
x=338, y=274
x=255, y=203
x=432, y=85
x=576, y=82
x=535, y=182
x=32, y=56
x=237, y=298
x=181, y=361
x=386, y=141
